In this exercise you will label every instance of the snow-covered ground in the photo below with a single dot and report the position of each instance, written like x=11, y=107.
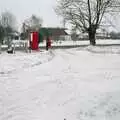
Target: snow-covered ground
x=71, y=84
x=84, y=42
x=20, y=43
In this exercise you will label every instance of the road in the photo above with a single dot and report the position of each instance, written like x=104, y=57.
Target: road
x=61, y=84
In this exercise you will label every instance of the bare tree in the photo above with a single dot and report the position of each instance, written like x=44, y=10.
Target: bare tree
x=8, y=22
x=34, y=22
x=30, y=24
x=86, y=15
x=1, y=36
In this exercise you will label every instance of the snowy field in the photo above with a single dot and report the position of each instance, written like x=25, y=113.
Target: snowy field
x=85, y=42
x=71, y=84
x=20, y=43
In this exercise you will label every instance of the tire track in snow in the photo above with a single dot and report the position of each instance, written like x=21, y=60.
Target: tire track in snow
x=29, y=104
x=50, y=55
x=17, y=106
x=16, y=109
x=9, y=111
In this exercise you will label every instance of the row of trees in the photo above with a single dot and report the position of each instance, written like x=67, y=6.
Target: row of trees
x=8, y=26
x=87, y=15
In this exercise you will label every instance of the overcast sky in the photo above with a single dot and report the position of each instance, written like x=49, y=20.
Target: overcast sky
x=23, y=9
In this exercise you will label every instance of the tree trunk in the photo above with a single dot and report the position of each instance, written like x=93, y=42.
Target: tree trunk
x=0, y=48
x=92, y=38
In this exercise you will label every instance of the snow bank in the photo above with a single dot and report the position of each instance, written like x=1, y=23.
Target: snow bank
x=19, y=43
x=71, y=84
x=12, y=62
x=103, y=49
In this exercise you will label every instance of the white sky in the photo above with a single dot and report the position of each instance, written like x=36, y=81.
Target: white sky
x=23, y=9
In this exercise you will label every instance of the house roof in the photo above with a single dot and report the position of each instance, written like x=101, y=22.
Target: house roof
x=55, y=31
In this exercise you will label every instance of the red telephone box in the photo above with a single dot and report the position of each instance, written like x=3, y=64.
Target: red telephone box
x=34, y=40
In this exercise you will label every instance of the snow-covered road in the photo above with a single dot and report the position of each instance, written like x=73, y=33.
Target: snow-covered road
x=71, y=84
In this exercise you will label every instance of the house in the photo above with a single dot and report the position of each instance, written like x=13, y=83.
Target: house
x=55, y=33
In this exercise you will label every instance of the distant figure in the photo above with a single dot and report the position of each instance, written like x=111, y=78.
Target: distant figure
x=30, y=46
x=48, y=43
